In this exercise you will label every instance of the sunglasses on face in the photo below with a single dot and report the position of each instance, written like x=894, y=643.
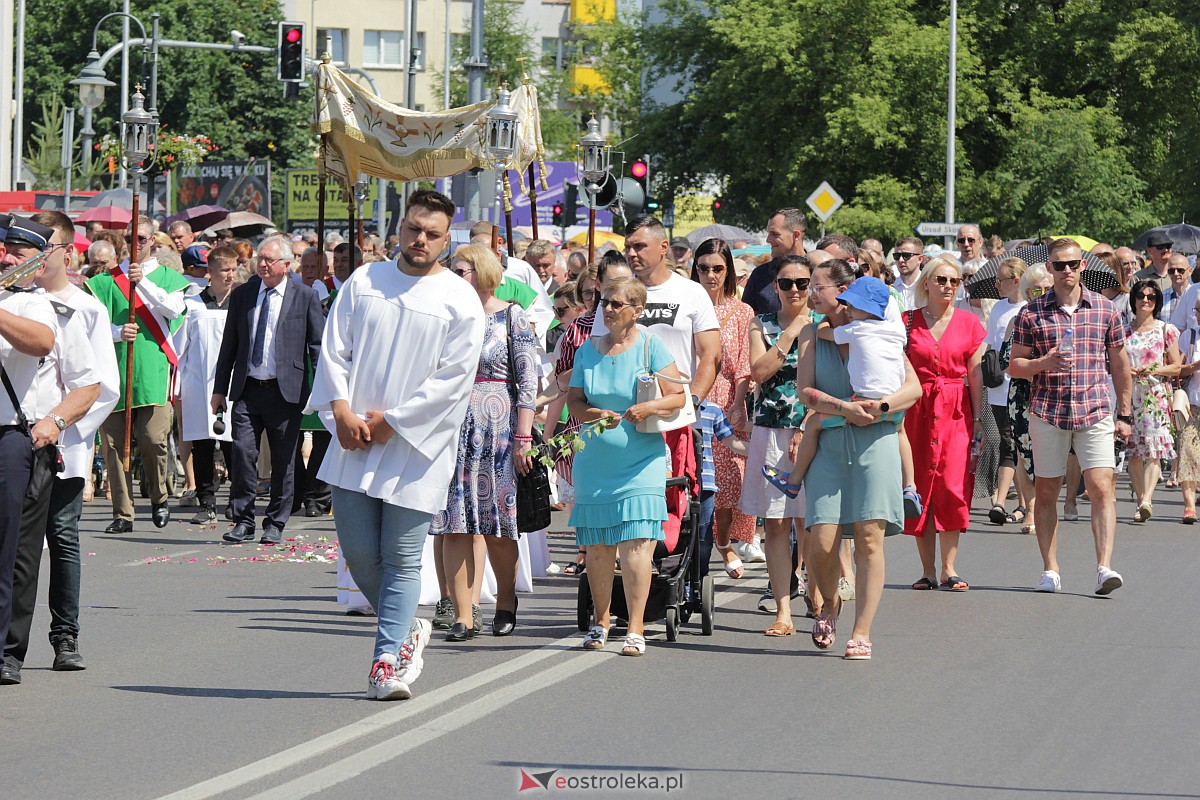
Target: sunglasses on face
x=713, y=270
x=947, y=280
x=141, y=239
x=615, y=305
x=1177, y=270
x=1071, y=264
x=898, y=256
x=560, y=310
x=966, y=240
x=1147, y=296
x=461, y=271
x=787, y=284
x=1162, y=246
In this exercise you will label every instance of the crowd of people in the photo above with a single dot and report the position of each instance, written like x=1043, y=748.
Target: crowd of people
x=836, y=393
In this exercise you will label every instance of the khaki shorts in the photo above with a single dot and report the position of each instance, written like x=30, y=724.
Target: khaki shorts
x=1093, y=447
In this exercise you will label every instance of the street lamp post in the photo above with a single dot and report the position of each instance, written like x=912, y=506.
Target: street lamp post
x=596, y=155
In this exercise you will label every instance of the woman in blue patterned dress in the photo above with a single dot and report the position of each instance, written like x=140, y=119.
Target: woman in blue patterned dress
x=481, y=510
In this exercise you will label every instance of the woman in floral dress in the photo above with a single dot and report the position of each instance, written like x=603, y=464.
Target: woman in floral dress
x=713, y=269
x=1154, y=356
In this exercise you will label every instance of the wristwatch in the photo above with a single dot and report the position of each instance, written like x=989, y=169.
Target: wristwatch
x=1126, y=418
x=59, y=421
x=695, y=401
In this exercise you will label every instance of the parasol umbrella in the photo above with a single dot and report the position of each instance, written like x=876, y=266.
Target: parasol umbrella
x=121, y=198
x=982, y=285
x=602, y=237
x=729, y=233
x=200, y=217
x=82, y=243
x=1186, y=238
x=243, y=222
x=108, y=216
x=1085, y=242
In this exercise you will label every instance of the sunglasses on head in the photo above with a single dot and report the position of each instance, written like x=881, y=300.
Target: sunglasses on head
x=947, y=280
x=1071, y=264
x=787, y=284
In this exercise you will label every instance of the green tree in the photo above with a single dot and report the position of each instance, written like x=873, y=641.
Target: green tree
x=234, y=98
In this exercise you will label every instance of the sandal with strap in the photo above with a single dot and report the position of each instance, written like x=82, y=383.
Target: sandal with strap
x=635, y=645
x=779, y=629
x=734, y=569
x=858, y=650
x=596, y=638
x=780, y=481
x=1013, y=516
x=998, y=516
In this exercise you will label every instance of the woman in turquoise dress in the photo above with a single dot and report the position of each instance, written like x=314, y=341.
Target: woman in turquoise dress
x=855, y=479
x=620, y=474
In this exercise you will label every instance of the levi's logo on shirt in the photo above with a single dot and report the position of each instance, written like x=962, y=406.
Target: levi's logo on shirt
x=659, y=314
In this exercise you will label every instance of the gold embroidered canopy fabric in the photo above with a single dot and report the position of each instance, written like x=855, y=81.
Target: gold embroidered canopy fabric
x=365, y=134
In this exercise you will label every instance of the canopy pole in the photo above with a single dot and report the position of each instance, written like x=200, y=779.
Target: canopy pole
x=533, y=195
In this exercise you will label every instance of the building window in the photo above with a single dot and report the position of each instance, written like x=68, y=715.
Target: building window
x=383, y=48
x=460, y=49
x=337, y=38
x=551, y=52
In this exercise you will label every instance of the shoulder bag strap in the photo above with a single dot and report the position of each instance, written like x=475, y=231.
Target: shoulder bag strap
x=12, y=396
x=512, y=362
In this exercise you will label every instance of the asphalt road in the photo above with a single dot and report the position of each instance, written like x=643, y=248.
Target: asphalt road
x=213, y=675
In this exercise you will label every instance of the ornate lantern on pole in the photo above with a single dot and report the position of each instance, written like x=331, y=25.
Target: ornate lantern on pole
x=502, y=125
x=139, y=132
x=596, y=157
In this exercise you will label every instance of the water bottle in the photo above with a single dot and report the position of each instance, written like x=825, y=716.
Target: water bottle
x=1066, y=346
x=976, y=449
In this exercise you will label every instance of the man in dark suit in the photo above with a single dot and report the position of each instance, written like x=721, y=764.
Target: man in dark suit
x=272, y=334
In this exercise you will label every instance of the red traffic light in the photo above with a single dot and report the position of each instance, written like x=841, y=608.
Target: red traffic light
x=716, y=205
x=638, y=169
x=292, y=35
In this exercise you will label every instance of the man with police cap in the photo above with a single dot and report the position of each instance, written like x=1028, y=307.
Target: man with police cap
x=27, y=331
x=77, y=387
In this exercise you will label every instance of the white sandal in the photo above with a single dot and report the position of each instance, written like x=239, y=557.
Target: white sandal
x=733, y=566
x=634, y=643
x=596, y=638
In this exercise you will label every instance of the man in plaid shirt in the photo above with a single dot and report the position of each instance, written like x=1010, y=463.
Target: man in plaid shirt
x=1070, y=405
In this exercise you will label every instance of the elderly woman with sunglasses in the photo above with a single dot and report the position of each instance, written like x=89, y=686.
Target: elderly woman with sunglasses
x=1154, y=356
x=713, y=269
x=945, y=346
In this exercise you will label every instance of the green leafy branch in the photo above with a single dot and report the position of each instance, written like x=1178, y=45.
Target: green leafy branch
x=567, y=443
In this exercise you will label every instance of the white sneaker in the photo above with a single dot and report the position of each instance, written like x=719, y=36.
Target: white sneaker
x=1050, y=582
x=384, y=683
x=845, y=589
x=749, y=553
x=411, y=663
x=1107, y=581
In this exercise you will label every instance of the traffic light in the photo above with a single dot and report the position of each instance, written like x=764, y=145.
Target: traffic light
x=571, y=204
x=716, y=210
x=653, y=206
x=291, y=52
x=557, y=218
x=640, y=170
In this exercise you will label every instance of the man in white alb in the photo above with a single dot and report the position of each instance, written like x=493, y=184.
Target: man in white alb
x=400, y=352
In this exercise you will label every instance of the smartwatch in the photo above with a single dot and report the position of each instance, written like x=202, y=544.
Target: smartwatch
x=884, y=407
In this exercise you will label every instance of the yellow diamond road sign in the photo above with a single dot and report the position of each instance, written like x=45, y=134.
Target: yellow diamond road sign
x=824, y=201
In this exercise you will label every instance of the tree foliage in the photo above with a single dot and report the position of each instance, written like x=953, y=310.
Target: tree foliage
x=234, y=98
x=1075, y=116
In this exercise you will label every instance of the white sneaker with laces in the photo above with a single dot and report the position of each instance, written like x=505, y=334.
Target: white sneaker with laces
x=1050, y=582
x=1107, y=581
x=411, y=663
x=749, y=552
x=384, y=683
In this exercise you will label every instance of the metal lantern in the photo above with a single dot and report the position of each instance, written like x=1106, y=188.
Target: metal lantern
x=596, y=153
x=92, y=83
x=502, y=129
x=140, y=130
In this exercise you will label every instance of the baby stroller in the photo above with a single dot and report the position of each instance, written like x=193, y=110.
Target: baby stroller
x=677, y=591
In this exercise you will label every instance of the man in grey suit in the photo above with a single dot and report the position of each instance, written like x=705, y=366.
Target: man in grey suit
x=272, y=336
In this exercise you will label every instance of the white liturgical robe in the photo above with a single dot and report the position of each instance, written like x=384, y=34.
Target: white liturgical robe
x=198, y=342
x=408, y=346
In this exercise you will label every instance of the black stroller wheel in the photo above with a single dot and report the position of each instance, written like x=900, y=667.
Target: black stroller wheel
x=707, y=605
x=672, y=614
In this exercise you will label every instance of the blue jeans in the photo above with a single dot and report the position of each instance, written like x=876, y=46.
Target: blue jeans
x=382, y=545
x=704, y=549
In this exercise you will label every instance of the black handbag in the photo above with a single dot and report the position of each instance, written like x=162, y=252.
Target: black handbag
x=533, y=488
x=993, y=373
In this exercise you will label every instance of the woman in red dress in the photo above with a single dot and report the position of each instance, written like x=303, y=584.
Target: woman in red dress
x=945, y=346
x=712, y=268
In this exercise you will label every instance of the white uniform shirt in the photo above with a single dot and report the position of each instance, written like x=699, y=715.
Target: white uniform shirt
x=79, y=440
x=266, y=370
x=22, y=369
x=409, y=347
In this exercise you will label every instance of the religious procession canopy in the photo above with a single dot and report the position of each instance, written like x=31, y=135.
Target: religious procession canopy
x=362, y=133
